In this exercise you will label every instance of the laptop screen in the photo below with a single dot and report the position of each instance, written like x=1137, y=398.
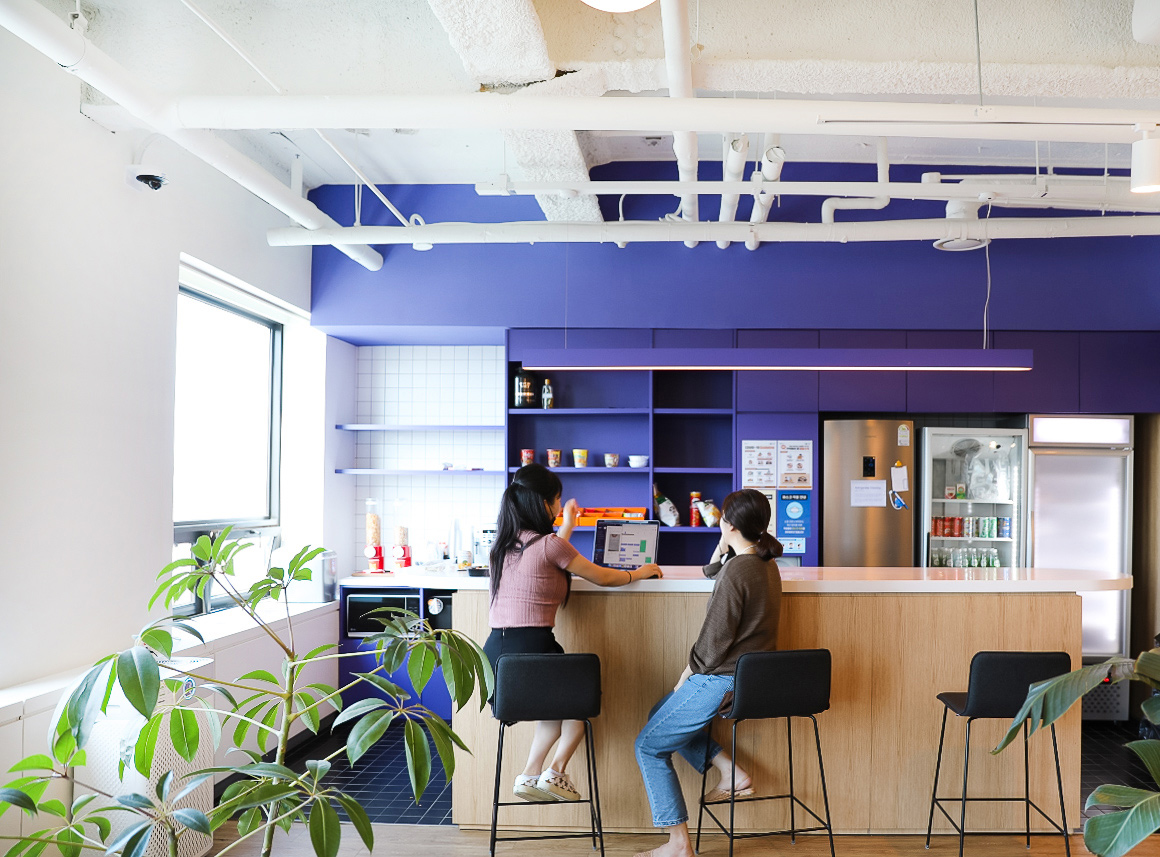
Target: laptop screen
x=625, y=544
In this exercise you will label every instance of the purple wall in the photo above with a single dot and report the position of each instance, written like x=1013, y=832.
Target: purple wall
x=1090, y=284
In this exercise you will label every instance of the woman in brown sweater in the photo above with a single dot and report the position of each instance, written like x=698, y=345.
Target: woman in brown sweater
x=741, y=617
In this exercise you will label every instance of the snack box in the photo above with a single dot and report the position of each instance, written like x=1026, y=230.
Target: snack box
x=590, y=515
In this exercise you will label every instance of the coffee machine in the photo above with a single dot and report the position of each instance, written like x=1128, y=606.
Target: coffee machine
x=483, y=537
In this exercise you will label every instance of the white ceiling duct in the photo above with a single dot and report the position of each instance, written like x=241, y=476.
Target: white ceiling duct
x=732, y=168
x=679, y=68
x=960, y=210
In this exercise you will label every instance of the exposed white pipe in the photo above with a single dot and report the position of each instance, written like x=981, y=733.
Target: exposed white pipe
x=709, y=115
x=876, y=203
x=556, y=232
x=30, y=21
x=772, y=160
x=679, y=70
x=732, y=168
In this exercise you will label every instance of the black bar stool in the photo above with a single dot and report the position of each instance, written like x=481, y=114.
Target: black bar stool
x=996, y=690
x=770, y=685
x=548, y=687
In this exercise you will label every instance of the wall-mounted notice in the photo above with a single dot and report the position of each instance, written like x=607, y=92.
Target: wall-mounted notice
x=793, y=514
x=795, y=464
x=867, y=492
x=789, y=546
x=758, y=463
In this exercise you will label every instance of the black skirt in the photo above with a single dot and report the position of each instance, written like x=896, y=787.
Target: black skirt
x=520, y=641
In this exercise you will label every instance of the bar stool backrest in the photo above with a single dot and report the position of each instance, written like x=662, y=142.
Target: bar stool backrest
x=999, y=680
x=547, y=687
x=794, y=683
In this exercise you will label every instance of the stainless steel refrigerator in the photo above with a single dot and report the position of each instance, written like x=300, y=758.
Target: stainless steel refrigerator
x=1080, y=506
x=868, y=496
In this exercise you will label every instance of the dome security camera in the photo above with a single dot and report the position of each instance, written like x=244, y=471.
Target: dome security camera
x=143, y=178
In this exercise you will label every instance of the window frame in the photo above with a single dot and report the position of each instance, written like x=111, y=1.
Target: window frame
x=188, y=532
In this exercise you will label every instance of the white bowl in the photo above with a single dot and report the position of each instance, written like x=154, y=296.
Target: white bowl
x=638, y=461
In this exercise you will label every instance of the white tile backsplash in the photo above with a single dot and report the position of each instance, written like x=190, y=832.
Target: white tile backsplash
x=449, y=385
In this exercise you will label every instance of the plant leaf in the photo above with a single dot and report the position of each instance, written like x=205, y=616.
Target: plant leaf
x=441, y=735
x=103, y=825
x=127, y=834
x=18, y=798
x=263, y=794
x=418, y=757
x=268, y=769
x=1112, y=795
x=318, y=768
x=393, y=655
x=366, y=732
x=357, y=710
x=163, y=785
x=249, y=820
x=194, y=819
x=133, y=800
x=1048, y=700
x=192, y=784
x=268, y=722
x=159, y=640
x=261, y=675
x=38, y=762
x=358, y=817
x=308, y=711
x=1151, y=708
x=140, y=679
x=1149, y=753
x=213, y=720
x=387, y=686
x=223, y=690
x=69, y=842
x=184, y=732
x=325, y=830
x=146, y=746
x=1117, y=833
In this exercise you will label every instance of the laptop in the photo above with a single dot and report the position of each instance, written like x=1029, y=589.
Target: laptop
x=626, y=544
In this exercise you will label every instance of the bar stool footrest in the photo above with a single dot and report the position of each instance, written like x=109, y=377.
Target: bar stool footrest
x=954, y=824
x=792, y=831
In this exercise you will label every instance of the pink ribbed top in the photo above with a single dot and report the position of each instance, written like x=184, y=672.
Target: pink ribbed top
x=533, y=583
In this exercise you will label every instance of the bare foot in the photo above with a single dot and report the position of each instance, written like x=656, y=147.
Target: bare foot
x=669, y=849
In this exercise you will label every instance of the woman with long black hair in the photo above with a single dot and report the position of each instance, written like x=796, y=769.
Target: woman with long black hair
x=741, y=617
x=531, y=576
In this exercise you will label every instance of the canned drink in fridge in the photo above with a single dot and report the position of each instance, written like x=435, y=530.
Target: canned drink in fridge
x=936, y=527
x=1004, y=528
x=969, y=527
x=957, y=527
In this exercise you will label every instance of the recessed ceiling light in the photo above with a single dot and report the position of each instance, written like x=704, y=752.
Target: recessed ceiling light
x=618, y=6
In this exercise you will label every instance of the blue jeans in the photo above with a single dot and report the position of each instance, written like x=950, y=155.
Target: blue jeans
x=677, y=724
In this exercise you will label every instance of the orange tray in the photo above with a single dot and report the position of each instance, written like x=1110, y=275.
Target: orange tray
x=590, y=515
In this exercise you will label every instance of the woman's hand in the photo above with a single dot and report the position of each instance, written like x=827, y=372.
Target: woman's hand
x=684, y=676
x=647, y=571
x=571, y=511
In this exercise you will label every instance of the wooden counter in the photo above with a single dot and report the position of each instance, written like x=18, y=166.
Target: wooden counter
x=892, y=653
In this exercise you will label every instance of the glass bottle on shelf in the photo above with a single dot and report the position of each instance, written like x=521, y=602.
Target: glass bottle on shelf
x=525, y=396
x=546, y=397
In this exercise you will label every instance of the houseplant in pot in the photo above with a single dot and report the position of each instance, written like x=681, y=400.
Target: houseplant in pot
x=1116, y=833
x=265, y=795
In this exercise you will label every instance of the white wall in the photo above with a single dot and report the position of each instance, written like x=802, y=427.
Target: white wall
x=88, y=290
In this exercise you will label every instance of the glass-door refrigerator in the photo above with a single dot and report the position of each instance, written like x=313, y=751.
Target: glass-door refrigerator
x=973, y=489
x=1080, y=504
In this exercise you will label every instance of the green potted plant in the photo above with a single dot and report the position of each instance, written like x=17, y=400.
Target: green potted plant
x=1116, y=833
x=265, y=795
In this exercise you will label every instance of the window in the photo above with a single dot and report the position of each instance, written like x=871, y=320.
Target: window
x=227, y=415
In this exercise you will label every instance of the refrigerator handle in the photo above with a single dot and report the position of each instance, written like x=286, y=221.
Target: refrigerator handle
x=1030, y=549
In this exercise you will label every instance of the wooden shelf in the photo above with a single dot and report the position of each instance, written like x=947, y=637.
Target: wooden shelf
x=971, y=539
x=968, y=502
x=372, y=471
x=385, y=427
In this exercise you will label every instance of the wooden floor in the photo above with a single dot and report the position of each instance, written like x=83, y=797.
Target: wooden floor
x=415, y=840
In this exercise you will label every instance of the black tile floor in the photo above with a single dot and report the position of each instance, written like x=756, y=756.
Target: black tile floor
x=380, y=783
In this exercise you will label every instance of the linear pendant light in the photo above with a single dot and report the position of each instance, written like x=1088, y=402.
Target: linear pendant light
x=782, y=359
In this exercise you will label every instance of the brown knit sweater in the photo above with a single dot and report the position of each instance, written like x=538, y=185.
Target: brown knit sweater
x=742, y=614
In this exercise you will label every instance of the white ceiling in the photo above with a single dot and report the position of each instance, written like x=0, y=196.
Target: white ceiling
x=1039, y=52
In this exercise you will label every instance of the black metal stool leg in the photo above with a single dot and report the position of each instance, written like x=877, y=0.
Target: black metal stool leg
x=1059, y=782
x=825, y=793
x=588, y=771
x=789, y=744
x=495, y=798
x=704, y=777
x=595, y=786
x=963, y=811
x=1026, y=786
x=937, y=767
x=733, y=790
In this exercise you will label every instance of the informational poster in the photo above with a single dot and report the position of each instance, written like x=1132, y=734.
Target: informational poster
x=759, y=463
x=867, y=492
x=793, y=546
x=795, y=464
x=793, y=514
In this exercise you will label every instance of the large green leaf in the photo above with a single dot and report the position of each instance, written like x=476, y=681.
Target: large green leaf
x=146, y=746
x=308, y=710
x=103, y=825
x=1048, y=700
x=385, y=685
x=443, y=738
x=127, y=834
x=263, y=794
x=212, y=719
x=1148, y=665
x=139, y=678
x=184, y=731
x=393, y=654
x=1151, y=708
x=366, y=732
x=268, y=722
x=418, y=757
x=18, y=798
x=318, y=768
x=249, y=821
x=268, y=769
x=69, y=842
x=261, y=675
x=194, y=819
x=358, y=817
x=37, y=762
x=484, y=675
x=325, y=830
x=1149, y=753
x=163, y=785
x=1117, y=833
x=192, y=784
x=158, y=640
x=458, y=675
x=358, y=710
x=1112, y=795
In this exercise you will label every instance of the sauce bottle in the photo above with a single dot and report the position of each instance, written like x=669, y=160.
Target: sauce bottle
x=546, y=397
x=695, y=509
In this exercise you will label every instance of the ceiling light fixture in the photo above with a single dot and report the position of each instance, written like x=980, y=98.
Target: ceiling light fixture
x=1146, y=161
x=618, y=6
x=961, y=211
x=781, y=359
